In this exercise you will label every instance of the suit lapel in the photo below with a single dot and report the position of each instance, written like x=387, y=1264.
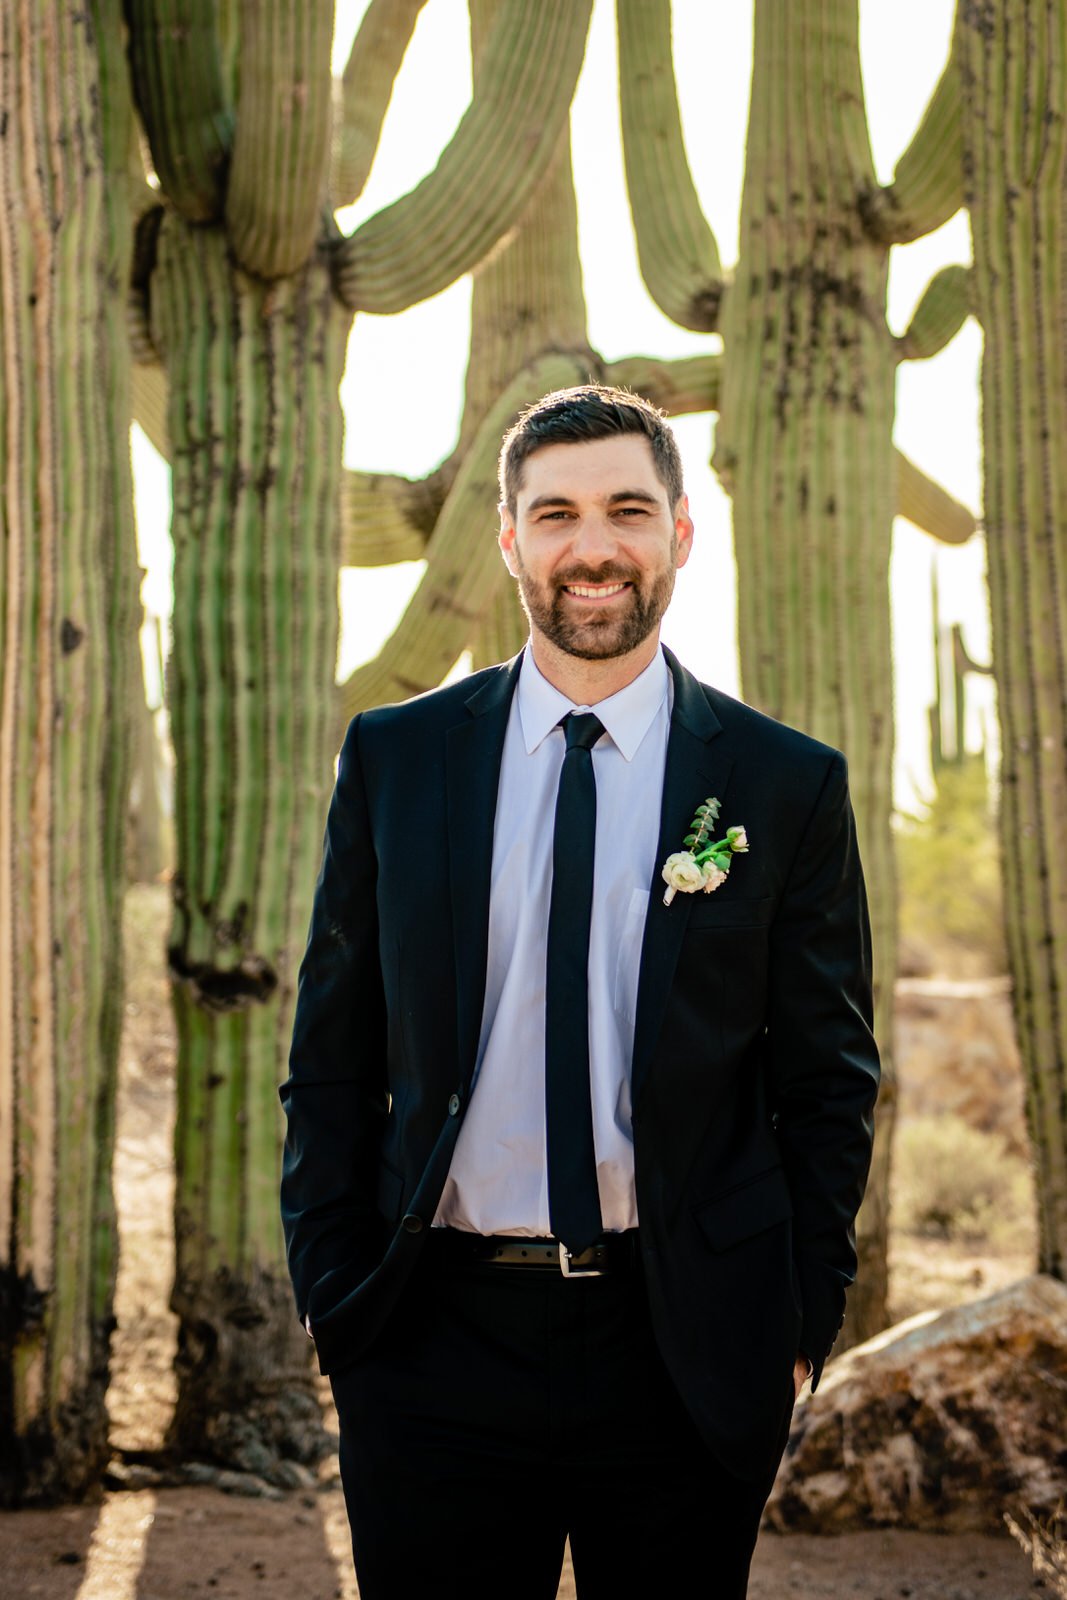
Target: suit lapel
x=474, y=750
x=696, y=767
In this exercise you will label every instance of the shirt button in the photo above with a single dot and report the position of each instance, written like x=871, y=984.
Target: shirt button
x=453, y=1106
x=412, y=1223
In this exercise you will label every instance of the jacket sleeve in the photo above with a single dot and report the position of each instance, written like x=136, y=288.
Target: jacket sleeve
x=824, y=1065
x=335, y=1097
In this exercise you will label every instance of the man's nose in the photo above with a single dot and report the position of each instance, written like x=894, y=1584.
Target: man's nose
x=594, y=539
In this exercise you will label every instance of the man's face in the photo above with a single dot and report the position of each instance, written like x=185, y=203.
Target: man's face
x=595, y=545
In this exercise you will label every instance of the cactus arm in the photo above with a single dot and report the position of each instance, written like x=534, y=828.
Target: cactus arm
x=676, y=249
x=927, y=187
x=929, y=506
x=486, y=175
x=281, y=146
x=176, y=73
x=362, y=94
x=682, y=387
x=385, y=518
x=465, y=572
x=140, y=195
x=945, y=305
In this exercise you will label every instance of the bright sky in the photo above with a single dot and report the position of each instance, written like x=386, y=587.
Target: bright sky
x=402, y=391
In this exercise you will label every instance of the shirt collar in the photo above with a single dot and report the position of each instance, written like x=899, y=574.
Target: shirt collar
x=626, y=715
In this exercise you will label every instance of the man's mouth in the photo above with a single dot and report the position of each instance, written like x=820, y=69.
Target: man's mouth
x=594, y=591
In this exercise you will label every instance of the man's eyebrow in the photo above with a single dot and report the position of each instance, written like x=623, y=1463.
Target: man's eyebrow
x=642, y=495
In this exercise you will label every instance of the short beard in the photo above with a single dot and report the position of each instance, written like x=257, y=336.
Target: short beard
x=602, y=638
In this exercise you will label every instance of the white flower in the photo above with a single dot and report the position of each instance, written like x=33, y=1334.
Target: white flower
x=680, y=871
x=705, y=861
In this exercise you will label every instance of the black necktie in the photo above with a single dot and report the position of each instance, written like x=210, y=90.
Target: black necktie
x=573, y=1199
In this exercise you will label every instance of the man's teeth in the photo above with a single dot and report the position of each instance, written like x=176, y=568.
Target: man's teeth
x=588, y=590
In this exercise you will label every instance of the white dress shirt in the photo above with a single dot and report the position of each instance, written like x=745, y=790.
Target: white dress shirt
x=498, y=1180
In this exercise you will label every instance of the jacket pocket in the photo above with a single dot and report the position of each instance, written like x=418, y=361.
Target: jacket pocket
x=732, y=912
x=746, y=1209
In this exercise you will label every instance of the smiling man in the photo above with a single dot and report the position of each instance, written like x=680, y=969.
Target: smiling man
x=582, y=1081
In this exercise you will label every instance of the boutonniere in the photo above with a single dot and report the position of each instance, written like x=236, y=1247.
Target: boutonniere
x=704, y=862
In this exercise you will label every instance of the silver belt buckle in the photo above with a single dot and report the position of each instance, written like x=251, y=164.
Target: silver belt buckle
x=575, y=1272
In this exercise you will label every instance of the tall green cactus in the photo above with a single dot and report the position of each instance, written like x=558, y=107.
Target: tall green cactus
x=996, y=133
x=804, y=436
x=68, y=628
x=1013, y=64
x=244, y=295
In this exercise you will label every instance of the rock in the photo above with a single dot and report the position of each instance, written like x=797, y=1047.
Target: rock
x=246, y=1483
x=204, y=1474
x=135, y=1475
x=943, y=1422
x=292, y=1475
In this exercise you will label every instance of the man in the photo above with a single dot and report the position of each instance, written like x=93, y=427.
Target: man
x=573, y=1160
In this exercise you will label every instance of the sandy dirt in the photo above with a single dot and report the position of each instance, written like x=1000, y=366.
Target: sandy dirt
x=174, y=1543
x=183, y=1543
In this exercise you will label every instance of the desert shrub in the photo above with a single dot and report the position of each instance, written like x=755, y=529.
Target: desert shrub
x=948, y=867
x=953, y=1181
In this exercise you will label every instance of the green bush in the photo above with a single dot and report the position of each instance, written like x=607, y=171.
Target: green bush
x=952, y=1181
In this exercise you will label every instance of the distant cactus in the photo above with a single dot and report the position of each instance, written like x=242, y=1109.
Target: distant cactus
x=66, y=709
x=947, y=714
x=804, y=434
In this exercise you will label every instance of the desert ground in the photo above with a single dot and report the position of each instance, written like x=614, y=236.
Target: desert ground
x=151, y=1541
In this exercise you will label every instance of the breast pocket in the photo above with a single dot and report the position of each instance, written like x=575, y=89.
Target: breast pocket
x=731, y=912
x=628, y=960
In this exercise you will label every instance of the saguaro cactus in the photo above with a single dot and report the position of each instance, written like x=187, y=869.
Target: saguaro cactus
x=528, y=334
x=1013, y=66
x=804, y=436
x=996, y=135
x=251, y=290
x=69, y=626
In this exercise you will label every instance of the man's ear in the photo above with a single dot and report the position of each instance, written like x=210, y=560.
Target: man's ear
x=683, y=527
x=506, y=539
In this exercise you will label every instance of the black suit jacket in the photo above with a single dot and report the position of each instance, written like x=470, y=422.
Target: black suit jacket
x=754, y=1074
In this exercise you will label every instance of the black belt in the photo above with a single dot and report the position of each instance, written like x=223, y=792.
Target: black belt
x=612, y=1252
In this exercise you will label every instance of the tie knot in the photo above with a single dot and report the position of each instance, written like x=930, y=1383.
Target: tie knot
x=582, y=729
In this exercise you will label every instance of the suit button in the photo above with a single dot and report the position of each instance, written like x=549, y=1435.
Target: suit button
x=412, y=1223
x=453, y=1106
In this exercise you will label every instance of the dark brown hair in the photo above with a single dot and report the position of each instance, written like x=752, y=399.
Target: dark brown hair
x=575, y=416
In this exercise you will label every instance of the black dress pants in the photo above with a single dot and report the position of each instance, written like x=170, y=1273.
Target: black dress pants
x=504, y=1409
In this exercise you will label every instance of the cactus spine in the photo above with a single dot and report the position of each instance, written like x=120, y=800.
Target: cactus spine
x=69, y=626
x=1013, y=65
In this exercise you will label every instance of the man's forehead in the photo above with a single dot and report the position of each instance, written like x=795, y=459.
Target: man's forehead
x=596, y=467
